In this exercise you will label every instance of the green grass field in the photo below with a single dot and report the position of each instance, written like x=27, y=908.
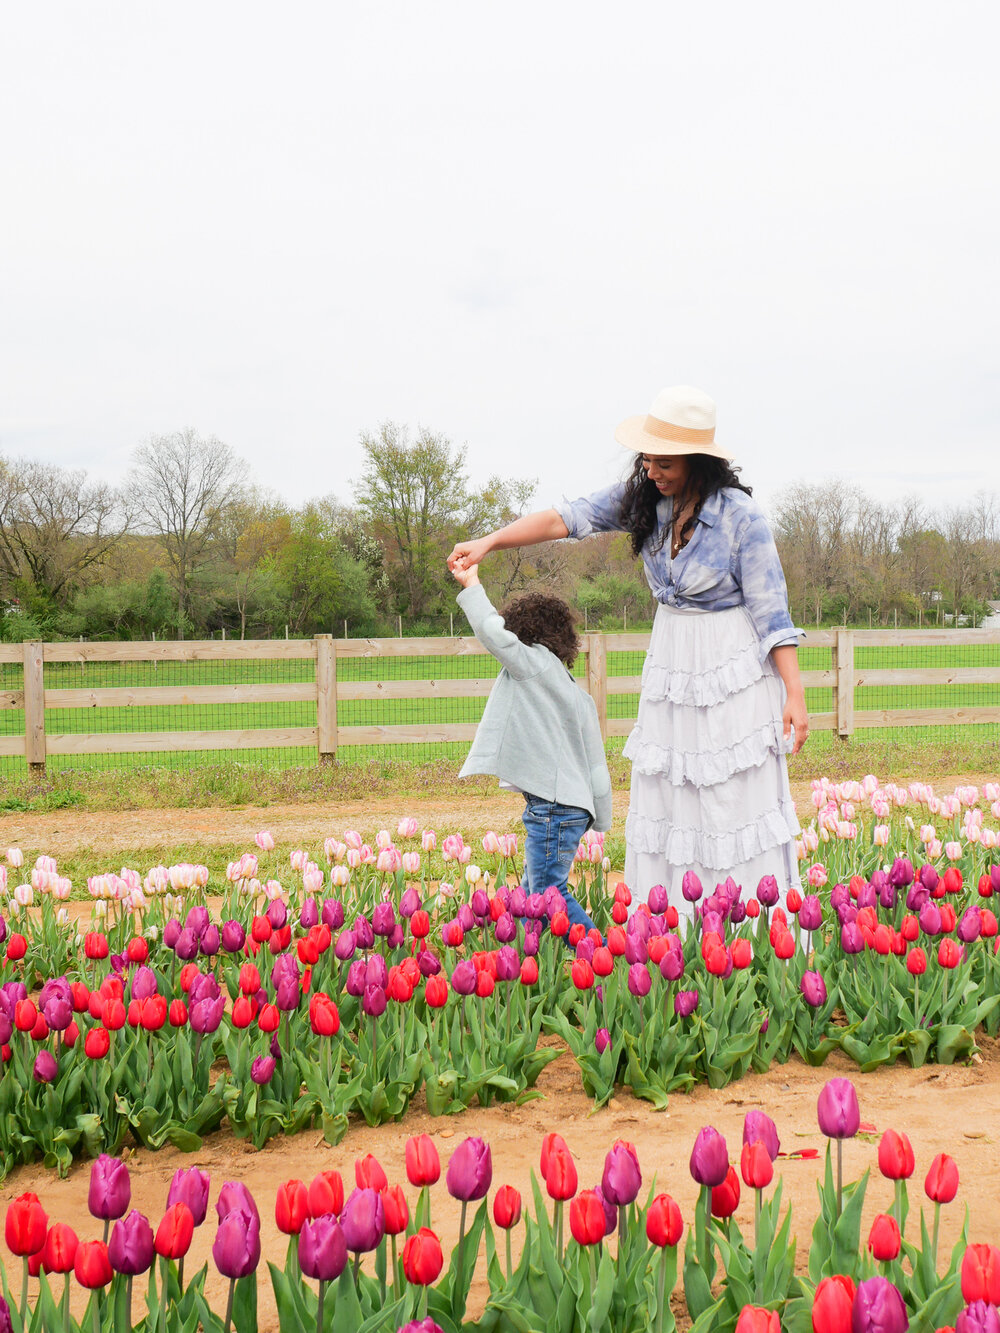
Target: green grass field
x=227, y=716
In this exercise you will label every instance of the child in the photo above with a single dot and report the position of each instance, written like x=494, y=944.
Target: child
x=539, y=731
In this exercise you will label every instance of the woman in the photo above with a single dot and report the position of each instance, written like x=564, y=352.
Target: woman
x=722, y=700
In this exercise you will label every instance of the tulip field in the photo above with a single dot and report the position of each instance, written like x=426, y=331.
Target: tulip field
x=385, y=977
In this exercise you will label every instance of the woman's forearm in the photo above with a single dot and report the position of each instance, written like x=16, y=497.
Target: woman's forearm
x=544, y=525
x=786, y=660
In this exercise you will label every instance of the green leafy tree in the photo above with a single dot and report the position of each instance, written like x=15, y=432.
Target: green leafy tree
x=320, y=583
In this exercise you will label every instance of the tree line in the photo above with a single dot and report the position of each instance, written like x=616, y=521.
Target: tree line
x=189, y=546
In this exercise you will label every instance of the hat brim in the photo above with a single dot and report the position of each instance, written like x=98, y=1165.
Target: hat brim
x=631, y=435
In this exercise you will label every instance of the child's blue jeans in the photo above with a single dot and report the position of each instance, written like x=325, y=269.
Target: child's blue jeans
x=552, y=833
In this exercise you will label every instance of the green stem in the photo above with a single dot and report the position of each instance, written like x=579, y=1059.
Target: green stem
x=24, y=1292
x=319, y=1307
x=510, y=1266
x=96, y=1318
x=934, y=1242
x=660, y=1316
x=756, y=1216
x=163, y=1295
x=840, y=1177
x=65, y=1306
x=229, y=1304
x=559, y=1231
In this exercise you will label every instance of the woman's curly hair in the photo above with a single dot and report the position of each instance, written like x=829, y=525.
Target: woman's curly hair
x=706, y=475
x=535, y=617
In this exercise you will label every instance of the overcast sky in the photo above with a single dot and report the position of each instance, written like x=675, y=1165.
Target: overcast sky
x=512, y=224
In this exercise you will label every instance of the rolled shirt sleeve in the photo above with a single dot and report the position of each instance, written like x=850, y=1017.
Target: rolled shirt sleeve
x=757, y=570
x=599, y=512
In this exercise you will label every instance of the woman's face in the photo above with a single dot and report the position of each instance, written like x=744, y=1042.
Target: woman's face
x=667, y=472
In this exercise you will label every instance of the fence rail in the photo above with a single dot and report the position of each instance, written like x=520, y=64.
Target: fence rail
x=328, y=691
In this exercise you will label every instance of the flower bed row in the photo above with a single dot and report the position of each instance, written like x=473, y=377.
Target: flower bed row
x=322, y=1008
x=605, y=1257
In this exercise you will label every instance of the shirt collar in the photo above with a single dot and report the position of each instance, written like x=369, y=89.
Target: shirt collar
x=711, y=509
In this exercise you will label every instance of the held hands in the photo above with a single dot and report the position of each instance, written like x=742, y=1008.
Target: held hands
x=795, y=715
x=466, y=575
x=466, y=554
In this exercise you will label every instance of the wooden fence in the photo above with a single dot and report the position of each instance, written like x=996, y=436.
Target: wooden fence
x=37, y=743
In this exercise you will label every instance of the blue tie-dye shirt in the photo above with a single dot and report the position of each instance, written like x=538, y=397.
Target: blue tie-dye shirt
x=730, y=559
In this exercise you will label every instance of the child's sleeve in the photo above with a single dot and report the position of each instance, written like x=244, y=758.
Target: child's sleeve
x=600, y=778
x=488, y=627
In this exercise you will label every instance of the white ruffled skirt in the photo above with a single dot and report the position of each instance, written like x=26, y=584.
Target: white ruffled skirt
x=709, y=780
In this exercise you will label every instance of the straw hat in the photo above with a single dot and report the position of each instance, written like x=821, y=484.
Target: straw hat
x=680, y=421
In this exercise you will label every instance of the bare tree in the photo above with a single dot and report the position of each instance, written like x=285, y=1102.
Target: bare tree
x=181, y=483
x=54, y=525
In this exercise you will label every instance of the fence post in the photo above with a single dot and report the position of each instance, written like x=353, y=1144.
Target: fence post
x=843, y=666
x=326, y=698
x=597, y=679
x=34, y=708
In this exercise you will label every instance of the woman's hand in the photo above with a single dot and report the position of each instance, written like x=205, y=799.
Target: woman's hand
x=795, y=715
x=466, y=555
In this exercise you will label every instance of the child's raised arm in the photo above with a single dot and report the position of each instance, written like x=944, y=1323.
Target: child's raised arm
x=466, y=577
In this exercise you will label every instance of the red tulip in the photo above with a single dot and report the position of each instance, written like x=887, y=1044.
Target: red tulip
x=396, y=1210
x=423, y=1165
x=291, y=1207
x=422, y=1258
x=949, y=953
x=755, y=1319
x=326, y=1194
x=560, y=1174
x=832, y=1303
x=664, y=1225
x=981, y=1274
x=177, y=1013
x=436, y=992
x=91, y=1264
x=895, y=1156
x=529, y=972
x=603, y=961
x=26, y=1225
x=507, y=1207
x=368, y=1173
x=17, y=947
x=96, y=1043
x=59, y=1250
x=582, y=974
x=941, y=1184
x=726, y=1197
x=884, y=1240
x=756, y=1166
x=916, y=962
x=586, y=1218
x=173, y=1235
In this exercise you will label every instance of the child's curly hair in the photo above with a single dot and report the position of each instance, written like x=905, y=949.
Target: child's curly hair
x=536, y=617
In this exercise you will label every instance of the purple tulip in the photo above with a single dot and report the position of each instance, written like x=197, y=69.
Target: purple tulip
x=425, y=1325
x=621, y=1179
x=532, y=936
x=767, y=891
x=518, y=904
x=639, y=928
x=46, y=1067
x=837, y=1109
x=916, y=896
x=383, y=918
x=610, y=1212
x=130, y=1245
x=505, y=928
x=534, y=908
x=376, y=971
x=262, y=1069
x=356, y=975
x=970, y=925
x=346, y=946
x=901, y=873
x=738, y=912
x=110, y=1188
x=878, y=878
x=186, y=947
x=851, y=938
x=197, y=920
x=636, y=950
x=810, y=913
x=672, y=962
x=3, y=930
x=508, y=964
x=995, y=878
x=363, y=932
x=206, y=1015
x=712, y=923
x=709, y=1158
x=322, y=1248
x=410, y=903
x=332, y=914
x=585, y=949
x=979, y=1317
x=930, y=919
x=685, y=1002
x=466, y=918
x=868, y=895
x=878, y=1308
x=658, y=900
x=191, y=1186
x=233, y=936
x=374, y=1001
x=171, y=933
x=428, y=962
x=760, y=1128
x=639, y=980
x=236, y=1248
x=209, y=942
x=309, y=914
x=470, y=1171
x=887, y=897
x=233, y=1196
x=813, y=989
x=363, y=1220
x=463, y=978
x=602, y=1040
x=277, y=913
x=203, y=986
x=691, y=886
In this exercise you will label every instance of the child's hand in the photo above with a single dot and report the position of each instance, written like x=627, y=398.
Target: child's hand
x=466, y=576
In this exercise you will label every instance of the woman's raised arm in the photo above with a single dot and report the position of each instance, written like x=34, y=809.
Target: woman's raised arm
x=544, y=525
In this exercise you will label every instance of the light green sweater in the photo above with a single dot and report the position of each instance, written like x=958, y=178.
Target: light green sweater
x=539, y=730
